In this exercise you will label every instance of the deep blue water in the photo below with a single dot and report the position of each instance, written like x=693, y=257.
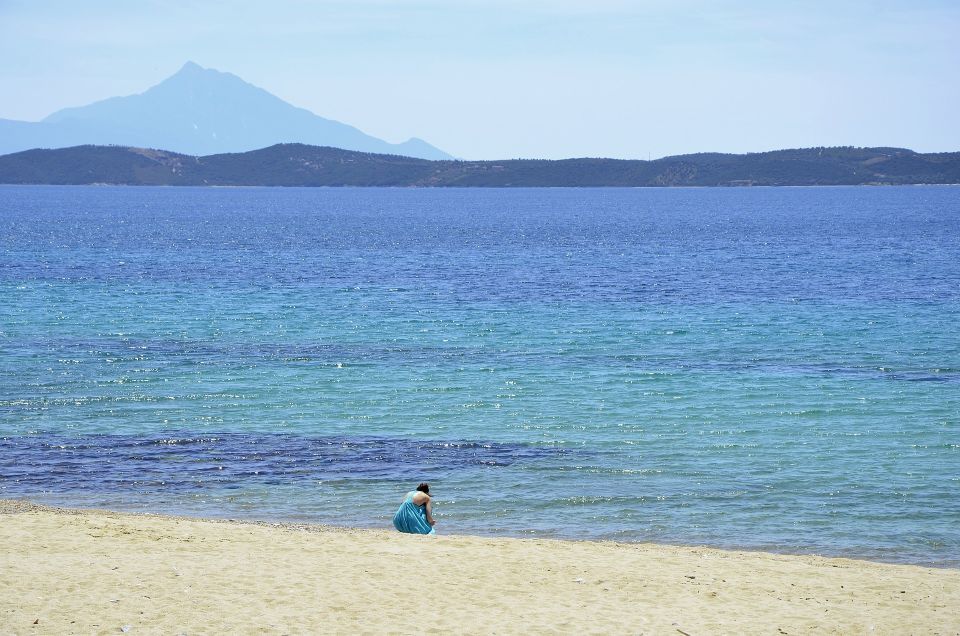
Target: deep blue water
x=761, y=368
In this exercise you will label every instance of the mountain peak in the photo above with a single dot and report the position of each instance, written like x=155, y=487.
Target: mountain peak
x=201, y=111
x=193, y=72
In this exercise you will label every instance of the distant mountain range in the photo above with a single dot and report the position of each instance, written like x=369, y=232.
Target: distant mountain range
x=302, y=165
x=197, y=111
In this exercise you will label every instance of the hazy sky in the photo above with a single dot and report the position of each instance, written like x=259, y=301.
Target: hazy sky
x=543, y=78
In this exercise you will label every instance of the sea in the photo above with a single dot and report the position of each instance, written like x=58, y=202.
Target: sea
x=768, y=369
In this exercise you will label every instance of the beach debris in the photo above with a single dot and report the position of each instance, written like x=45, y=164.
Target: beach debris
x=126, y=628
x=36, y=622
x=578, y=580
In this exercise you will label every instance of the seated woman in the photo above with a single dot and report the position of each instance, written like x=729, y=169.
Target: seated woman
x=415, y=514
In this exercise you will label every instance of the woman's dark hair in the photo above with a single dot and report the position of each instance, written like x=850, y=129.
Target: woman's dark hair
x=424, y=488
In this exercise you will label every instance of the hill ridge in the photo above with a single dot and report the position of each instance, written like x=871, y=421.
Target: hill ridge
x=297, y=164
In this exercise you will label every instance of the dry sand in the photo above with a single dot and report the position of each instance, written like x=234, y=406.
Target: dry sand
x=83, y=572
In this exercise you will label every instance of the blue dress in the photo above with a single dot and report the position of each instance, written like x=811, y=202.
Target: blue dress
x=411, y=517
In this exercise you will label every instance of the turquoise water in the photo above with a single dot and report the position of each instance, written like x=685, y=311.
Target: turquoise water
x=761, y=368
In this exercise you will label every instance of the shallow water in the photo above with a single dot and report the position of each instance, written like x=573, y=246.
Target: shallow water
x=762, y=368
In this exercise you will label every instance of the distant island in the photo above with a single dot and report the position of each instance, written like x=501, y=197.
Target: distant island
x=303, y=165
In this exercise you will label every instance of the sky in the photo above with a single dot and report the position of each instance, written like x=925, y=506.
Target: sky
x=496, y=79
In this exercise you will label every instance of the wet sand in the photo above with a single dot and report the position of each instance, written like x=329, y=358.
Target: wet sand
x=82, y=572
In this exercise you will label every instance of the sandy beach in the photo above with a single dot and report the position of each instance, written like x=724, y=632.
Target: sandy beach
x=82, y=572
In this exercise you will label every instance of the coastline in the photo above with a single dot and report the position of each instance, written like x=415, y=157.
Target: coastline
x=93, y=571
x=297, y=164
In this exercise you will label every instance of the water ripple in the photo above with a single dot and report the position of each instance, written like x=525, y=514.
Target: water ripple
x=181, y=461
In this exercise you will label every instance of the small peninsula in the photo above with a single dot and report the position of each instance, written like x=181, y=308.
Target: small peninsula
x=295, y=165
